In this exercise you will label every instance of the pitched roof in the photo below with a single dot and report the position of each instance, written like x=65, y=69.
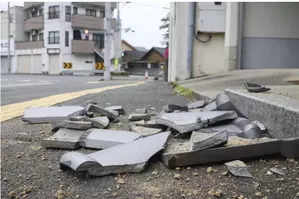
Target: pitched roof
x=132, y=55
x=126, y=43
x=157, y=49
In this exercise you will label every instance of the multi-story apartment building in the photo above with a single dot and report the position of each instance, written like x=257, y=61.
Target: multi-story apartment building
x=16, y=34
x=61, y=37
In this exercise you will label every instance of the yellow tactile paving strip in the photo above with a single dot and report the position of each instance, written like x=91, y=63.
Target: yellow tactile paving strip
x=14, y=110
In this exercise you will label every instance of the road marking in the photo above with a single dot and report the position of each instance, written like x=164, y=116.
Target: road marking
x=14, y=110
x=26, y=84
x=93, y=82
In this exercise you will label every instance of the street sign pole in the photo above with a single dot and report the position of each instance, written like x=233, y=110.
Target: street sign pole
x=108, y=42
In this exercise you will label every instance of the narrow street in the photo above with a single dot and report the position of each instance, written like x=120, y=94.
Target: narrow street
x=33, y=171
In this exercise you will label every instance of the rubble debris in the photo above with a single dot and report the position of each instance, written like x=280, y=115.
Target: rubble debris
x=185, y=122
x=118, y=109
x=63, y=139
x=137, y=117
x=117, y=159
x=239, y=141
x=78, y=118
x=149, y=124
x=196, y=104
x=141, y=110
x=212, y=106
x=89, y=114
x=252, y=130
x=99, y=122
x=238, y=168
x=144, y=131
x=178, y=152
x=278, y=171
x=255, y=88
x=201, y=141
x=103, y=138
x=223, y=103
x=112, y=115
x=51, y=114
x=78, y=125
x=241, y=127
x=173, y=107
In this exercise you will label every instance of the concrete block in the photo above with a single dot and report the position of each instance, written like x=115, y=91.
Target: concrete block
x=63, y=139
x=173, y=107
x=123, y=158
x=144, y=131
x=196, y=104
x=112, y=115
x=137, y=117
x=102, y=138
x=180, y=154
x=51, y=114
x=201, y=141
x=278, y=113
x=119, y=109
x=78, y=125
x=185, y=122
x=99, y=122
x=238, y=168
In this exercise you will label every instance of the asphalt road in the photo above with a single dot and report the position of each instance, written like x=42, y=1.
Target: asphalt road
x=19, y=88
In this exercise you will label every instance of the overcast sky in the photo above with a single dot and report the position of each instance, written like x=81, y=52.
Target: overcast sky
x=142, y=17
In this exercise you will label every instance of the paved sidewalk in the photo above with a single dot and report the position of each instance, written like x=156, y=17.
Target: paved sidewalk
x=277, y=79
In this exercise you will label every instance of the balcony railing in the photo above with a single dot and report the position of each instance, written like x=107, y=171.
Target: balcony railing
x=83, y=46
x=87, y=22
x=29, y=45
x=34, y=23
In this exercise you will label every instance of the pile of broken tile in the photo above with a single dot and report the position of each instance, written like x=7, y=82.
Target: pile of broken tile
x=197, y=133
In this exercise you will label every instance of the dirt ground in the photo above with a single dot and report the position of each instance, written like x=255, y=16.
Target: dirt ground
x=30, y=171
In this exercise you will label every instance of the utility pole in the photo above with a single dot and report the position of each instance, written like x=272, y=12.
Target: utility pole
x=118, y=48
x=8, y=40
x=108, y=41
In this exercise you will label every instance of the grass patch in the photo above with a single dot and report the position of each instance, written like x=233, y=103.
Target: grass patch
x=180, y=90
x=120, y=73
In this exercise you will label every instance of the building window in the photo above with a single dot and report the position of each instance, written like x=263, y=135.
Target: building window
x=41, y=11
x=75, y=10
x=34, y=36
x=91, y=12
x=68, y=13
x=99, y=40
x=34, y=12
x=102, y=13
x=77, y=35
x=53, y=37
x=66, y=38
x=53, y=12
x=41, y=36
x=217, y=3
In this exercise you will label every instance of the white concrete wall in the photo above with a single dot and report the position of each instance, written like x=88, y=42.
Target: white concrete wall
x=79, y=62
x=178, y=43
x=58, y=25
x=208, y=58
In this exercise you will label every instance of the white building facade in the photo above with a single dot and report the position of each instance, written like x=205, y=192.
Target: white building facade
x=230, y=36
x=61, y=37
x=16, y=34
